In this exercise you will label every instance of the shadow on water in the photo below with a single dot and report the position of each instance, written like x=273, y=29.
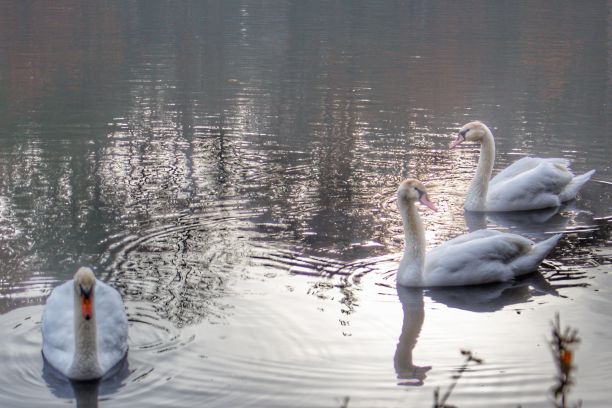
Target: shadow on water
x=536, y=222
x=493, y=297
x=86, y=393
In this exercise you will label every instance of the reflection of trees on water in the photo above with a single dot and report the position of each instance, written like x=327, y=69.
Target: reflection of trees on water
x=121, y=118
x=184, y=272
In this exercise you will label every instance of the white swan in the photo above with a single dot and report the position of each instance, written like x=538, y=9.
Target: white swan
x=84, y=327
x=484, y=256
x=530, y=183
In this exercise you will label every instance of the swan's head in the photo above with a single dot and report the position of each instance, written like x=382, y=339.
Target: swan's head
x=472, y=132
x=84, y=284
x=411, y=190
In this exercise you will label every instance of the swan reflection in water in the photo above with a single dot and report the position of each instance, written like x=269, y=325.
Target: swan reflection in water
x=414, y=314
x=85, y=393
x=477, y=298
x=534, y=223
x=494, y=296
x=593, y=208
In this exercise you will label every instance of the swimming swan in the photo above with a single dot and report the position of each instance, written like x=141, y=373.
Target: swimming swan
x=84, y=327
x=483, y=256
x=530, y=183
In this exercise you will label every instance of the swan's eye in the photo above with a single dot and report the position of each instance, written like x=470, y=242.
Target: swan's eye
x=421, y=192
x=464, y=132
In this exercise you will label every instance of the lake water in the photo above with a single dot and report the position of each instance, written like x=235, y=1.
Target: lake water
x=231, y=166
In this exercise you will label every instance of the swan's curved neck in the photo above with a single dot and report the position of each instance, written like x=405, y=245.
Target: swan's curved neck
x=413, y=262
x=476, y=197
x=85, y=360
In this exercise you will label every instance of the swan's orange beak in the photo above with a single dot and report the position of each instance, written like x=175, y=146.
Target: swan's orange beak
x=424, y=199
x=460, y=139
x=86, y=307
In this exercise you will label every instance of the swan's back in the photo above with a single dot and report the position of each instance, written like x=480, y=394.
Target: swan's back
x=529, y=163
x=58, y=327
x=484, y=256
x=529, y=184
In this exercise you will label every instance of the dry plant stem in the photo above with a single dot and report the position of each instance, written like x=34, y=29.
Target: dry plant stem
x=441, y=403
x=562, y=345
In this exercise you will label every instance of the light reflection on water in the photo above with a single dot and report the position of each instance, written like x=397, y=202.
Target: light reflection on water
x=231, y=168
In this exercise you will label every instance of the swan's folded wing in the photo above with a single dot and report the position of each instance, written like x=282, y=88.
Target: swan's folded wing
x=539, y=187
x=461, y=239
x=112, y=326
x=526, y=164
x=58, y=327
x=478, y=258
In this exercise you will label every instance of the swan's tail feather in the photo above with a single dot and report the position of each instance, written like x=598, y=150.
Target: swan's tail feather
x=529, y=263
x=560, y=163
x=542, y=249
x=571, y=190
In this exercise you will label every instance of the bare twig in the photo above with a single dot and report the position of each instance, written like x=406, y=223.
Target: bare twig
x=441, y=402
x=562, y=346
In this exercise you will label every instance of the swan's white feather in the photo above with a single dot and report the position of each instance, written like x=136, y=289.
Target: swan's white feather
x=529, y=183
x=525, y=164
x=476, y=258
x=58, y=327
x=571, y=190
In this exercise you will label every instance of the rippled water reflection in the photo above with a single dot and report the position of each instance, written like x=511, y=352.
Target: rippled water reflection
x=231, y=168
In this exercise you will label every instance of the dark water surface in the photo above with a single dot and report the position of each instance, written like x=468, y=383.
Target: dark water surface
x=230, y=167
